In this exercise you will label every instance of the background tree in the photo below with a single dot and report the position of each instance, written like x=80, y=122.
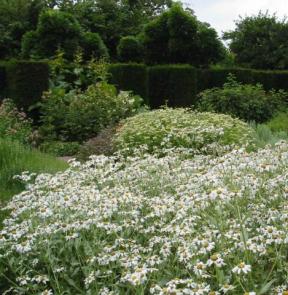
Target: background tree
x=176, y=36
x=114, y=19
x=16, y=18
x=130, y=49
x=55, y=30
x=260, y=41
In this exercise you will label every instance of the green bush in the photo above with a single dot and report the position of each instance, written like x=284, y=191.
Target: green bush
x=60, y=148
x=14, y=125
x=216, y=77
x=130, y=49
x=79, y=115
x=181, y=128
x=56, y=29
x=175, y=85
x=279, y=122
x=26, y=81
x=176, y=36
x=93, y=46
x=30, y=45
x=2, y=80
x=265, y=135
x=130, y=77
x=247, y=102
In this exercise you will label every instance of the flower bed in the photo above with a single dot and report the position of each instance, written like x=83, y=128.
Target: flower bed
x=148, y=225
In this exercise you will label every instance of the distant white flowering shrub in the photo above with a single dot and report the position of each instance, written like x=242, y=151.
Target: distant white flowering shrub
x=152, y=226
x=182, y=128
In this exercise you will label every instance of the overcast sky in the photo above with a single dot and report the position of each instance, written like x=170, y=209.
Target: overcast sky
x=222, y=13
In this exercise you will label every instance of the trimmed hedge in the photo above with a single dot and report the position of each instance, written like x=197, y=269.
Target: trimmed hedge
x=210, y=78
x=2, y=80
x=26, y=81
x=130, y=76
x=175, y=85
x=178, y=85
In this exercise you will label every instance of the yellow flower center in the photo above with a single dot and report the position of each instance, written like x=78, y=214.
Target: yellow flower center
x=214, y=257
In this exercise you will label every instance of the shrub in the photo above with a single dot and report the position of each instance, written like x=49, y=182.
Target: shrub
x=56, y=29
x=2, y=80
x=60, y=148
x=181, y=128
x=264, y=135
x=247, y=102
x=175, y=85
x=79, y=115
x=131, y=77
x=14, y=125
x=26, y=81
x=176, y=36
x=93, y=46
x=130, y=49
x=30, y=45
x=279, y=122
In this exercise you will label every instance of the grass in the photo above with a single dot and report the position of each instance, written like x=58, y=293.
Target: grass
x=264, y=135
x=16, y=158
x=279, y=122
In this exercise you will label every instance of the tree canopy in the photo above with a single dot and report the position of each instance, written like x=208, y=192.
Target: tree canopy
x=176, y=36
x=260, y=41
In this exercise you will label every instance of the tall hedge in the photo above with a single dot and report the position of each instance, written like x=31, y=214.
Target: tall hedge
x=130, y=76
x=174, y=84
x=2, y=80
x=209, y=78
x=26, y=81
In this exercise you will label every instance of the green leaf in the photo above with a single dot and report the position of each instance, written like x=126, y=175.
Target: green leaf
x=265, y=288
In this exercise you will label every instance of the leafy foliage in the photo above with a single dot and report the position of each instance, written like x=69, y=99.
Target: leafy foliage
x=181, y=128
x=148, y=225
x=130, y=49
x=176, y=36
x=55, y=30
x=93, y=46
x=60, y=148
x=16, y=18
x=245, y=101
x=260, y=41
x=279, y=122
x=14, y=125
x=78, y=115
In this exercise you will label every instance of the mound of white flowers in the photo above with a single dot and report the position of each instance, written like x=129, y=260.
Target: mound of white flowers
x=204, y=133
x=151, y=225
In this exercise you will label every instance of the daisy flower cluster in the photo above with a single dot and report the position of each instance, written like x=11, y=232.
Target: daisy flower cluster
x=204, y=133
x=152, y=225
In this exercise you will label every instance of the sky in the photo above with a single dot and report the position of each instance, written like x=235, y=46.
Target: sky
x=221, y=14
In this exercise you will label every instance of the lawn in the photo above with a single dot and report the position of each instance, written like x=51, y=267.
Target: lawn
x=16, y=158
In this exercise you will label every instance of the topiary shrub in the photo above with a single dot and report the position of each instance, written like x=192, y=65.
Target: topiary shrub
x=2, y=80
x=55, y=29
x=181, y=128
x=247, y=102
x=130, y=76
x=174, y=85
x=130, y=49
x=26, y=81
x=93, y=46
